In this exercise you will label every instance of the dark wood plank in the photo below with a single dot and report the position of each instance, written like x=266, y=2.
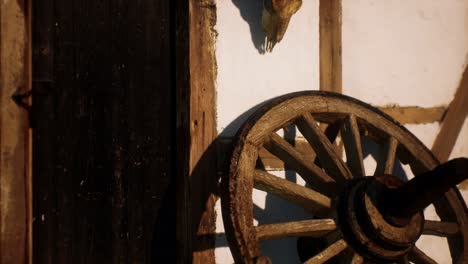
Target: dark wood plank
x=181, y=75
x=146, y=45
x=438, y=228
x=403, y=260
x=68, y=145
x=44, y=196
x=104, y=141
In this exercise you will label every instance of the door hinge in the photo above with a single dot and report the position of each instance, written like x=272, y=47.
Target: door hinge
x=39, y=87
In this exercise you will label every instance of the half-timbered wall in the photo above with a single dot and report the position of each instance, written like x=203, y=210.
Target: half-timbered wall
x=405, y=53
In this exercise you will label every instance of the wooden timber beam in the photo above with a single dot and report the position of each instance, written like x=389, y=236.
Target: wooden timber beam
x=15, y=176
x=202, y=160
x=415, y=114
x=330, y=46
x=453, y=121
x=403, y=115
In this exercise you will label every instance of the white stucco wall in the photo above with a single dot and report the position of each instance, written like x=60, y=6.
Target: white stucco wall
x=400, y=52
x=246, y=75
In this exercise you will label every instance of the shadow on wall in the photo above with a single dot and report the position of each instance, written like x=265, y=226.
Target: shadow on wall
x=275, y=209
x=251, y=12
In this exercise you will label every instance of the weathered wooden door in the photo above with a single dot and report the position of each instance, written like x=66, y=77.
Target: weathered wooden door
x=103, y=121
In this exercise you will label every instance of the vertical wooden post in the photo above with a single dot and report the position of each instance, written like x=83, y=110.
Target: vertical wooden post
x=14, y=135
x=331, y=74
x=330, y=46
x=453, y=121
x=196, y=130
x=203, y=175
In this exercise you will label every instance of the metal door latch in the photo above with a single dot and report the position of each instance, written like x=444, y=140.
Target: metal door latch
x=39, y=87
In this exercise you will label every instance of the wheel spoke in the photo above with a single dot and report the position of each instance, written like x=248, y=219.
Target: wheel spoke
x=417, y=256
x=312, y=228
x=310, y=172
x=325, y=150
x=308, y=199
x=353, y=147
x=357, y=259
x=442, y=229
x=385, y=166
x=403, y=260
x=331, y=251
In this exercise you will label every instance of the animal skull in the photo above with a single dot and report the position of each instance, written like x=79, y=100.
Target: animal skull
x=275, y=19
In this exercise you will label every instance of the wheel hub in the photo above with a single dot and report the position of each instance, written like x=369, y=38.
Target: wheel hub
x=367, y=228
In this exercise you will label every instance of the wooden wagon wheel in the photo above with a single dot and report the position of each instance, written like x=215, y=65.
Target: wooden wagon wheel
x=345, y=206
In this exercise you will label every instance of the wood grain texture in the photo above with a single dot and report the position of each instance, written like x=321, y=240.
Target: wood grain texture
x=312, y=201
x=327, y=108
x=310, y=172
x=271, y=162
x=386, y=163
x=418, y=256
x=203, y=173
x=402, y=114
x=44, y=196
x=352, y=143
x=415, y=114
x=266, y=159
x=15, y=219
x=182, y=195
x=331, y=251
x=330, y=46
x=104, y=133
x=453, y=121
x=326, y=151
x=311, y=228
x=29, y=181
x=438, y=228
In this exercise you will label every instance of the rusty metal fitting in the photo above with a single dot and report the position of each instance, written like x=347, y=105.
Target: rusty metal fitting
x=365, y=229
